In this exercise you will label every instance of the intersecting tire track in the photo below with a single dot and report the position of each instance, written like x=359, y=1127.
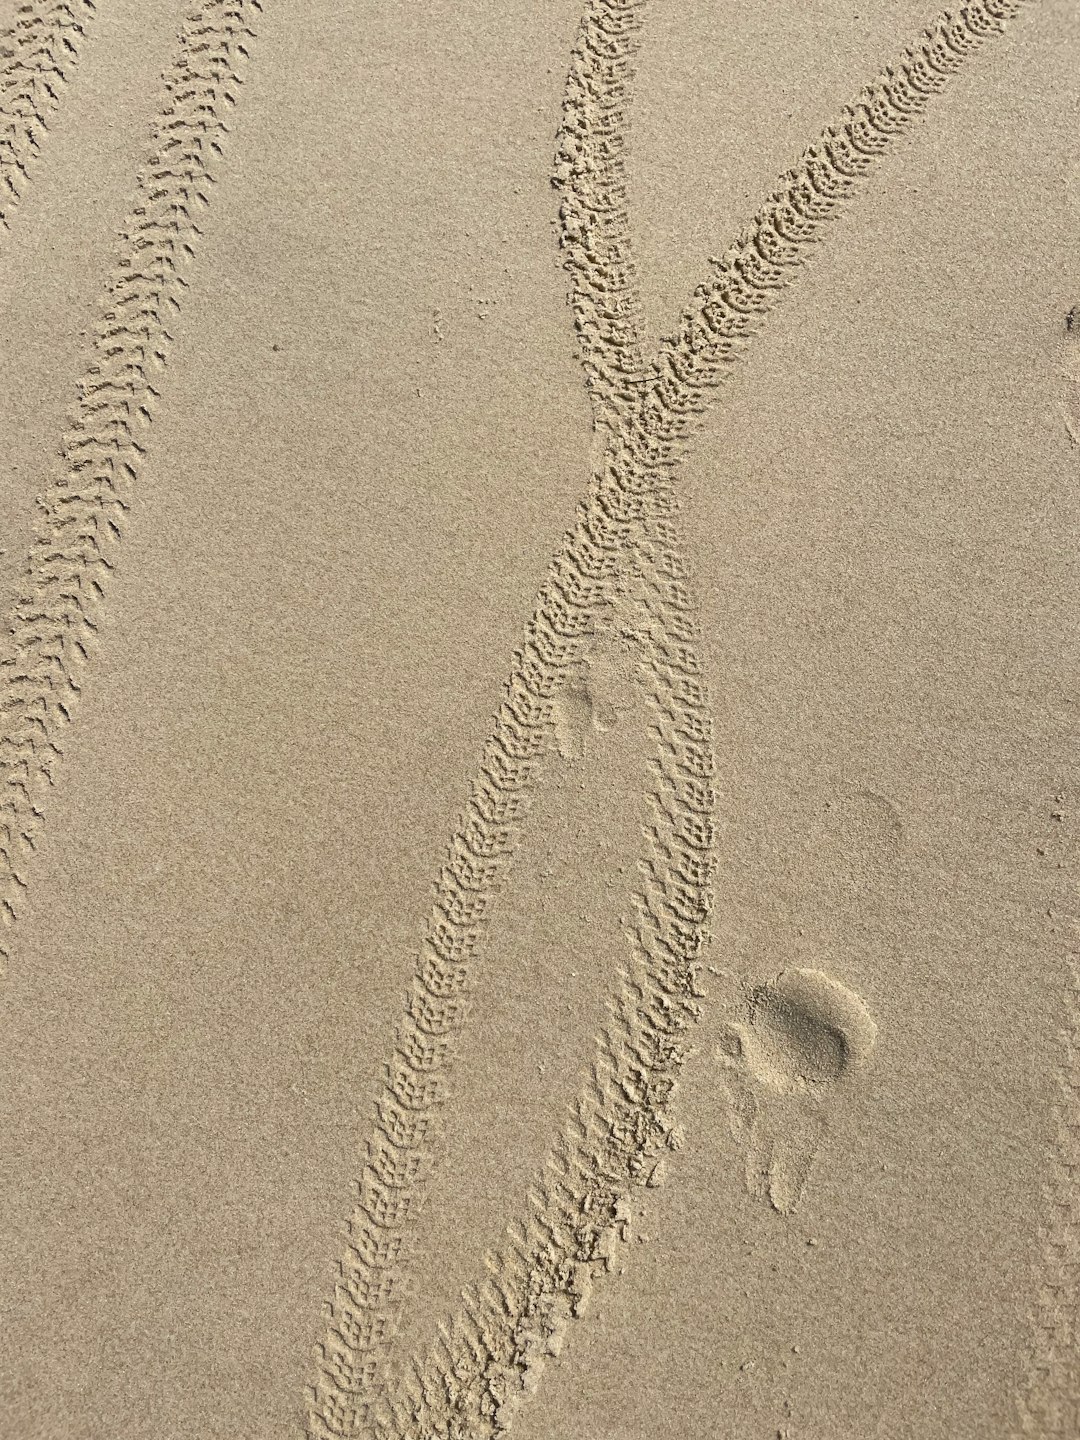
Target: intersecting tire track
x=58, y=611
x=38, y=51
x=624, y=551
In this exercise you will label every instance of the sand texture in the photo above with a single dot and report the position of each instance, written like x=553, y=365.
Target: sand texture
x=539, y=720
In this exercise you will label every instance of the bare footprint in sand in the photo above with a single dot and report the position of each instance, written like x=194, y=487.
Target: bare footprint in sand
x=793, y=1041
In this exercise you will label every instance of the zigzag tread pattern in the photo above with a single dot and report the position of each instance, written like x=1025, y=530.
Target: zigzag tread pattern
x=38, y=51
x=625, y=545
x=58, y=612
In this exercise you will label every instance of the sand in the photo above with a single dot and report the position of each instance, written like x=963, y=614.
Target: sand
x=538, y=721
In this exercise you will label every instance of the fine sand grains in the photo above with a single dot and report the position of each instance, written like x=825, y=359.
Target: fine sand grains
x=619, y=583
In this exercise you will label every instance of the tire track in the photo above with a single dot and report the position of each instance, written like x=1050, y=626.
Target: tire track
x=82, y=513
x=38, y=51
x=594, y=235
x=624, y=553
x=1048, y=1402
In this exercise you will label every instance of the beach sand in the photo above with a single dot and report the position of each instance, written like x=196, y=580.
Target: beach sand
x=539, y=772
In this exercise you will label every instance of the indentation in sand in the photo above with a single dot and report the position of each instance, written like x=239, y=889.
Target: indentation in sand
x=590, y=701
x=793, y=1041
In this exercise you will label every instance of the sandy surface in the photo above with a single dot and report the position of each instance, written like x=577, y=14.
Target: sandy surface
x=687, y=730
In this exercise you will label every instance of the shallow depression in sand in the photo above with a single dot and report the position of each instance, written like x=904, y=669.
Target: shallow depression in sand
x=792, y=1043
x=805, y=1028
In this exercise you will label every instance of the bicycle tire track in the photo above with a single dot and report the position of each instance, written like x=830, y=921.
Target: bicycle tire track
x=82, y=513
x=625, y=545
x=38, y=51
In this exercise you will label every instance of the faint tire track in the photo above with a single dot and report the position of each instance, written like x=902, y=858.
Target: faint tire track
x=1048, y=1402
x=624, y=551
x=58, y=613
x=38, y=51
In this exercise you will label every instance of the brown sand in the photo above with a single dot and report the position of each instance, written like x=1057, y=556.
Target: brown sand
x=683, y=729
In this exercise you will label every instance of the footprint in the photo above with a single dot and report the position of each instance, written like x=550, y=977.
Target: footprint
x=793, y=1041
x=573, y=714
x=588, y=703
